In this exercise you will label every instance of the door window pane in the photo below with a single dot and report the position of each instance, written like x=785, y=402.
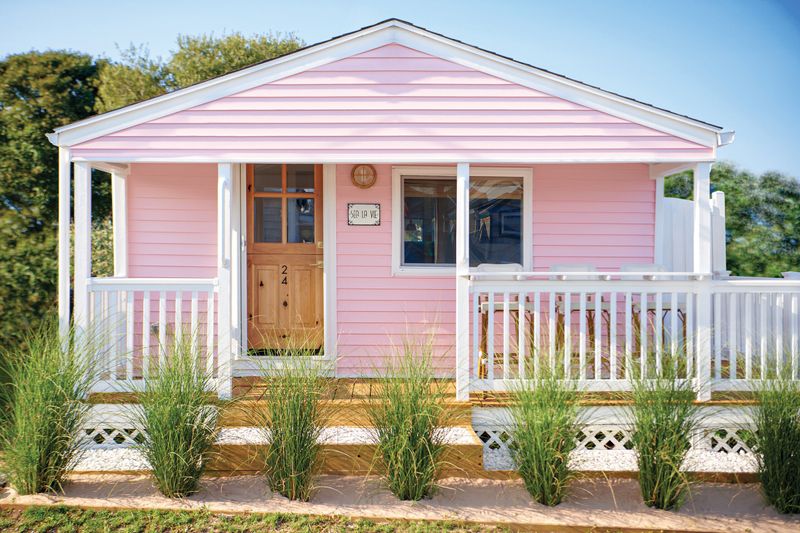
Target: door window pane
x=267, y=178
x=267, y=219
x=300, y=220
x=429, y=216
x=300, y=178
x=495, y=221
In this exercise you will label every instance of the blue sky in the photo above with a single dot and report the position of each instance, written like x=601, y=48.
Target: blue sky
x=730, y=62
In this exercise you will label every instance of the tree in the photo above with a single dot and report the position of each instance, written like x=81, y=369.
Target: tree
x=198, y=58
x=39, y=91
x=762, y=218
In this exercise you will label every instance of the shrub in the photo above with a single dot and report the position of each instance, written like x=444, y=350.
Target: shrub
x=180, y=421
x=544, y=413
x=777, y=437
x=47, y=408
x=407, y=417
x=291, y=419
x=664, y=418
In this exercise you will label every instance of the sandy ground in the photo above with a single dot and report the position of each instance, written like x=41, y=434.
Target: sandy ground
x=613, y=504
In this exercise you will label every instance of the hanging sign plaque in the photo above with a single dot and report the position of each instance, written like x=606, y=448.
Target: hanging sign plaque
x=363, y=214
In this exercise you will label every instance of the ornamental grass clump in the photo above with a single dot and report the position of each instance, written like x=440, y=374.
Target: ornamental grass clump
x=777, y=439
x=407, y=415
x=291, y=419
x=49, y=382
x=180, y=417
x=544, y=414
x=664, y=418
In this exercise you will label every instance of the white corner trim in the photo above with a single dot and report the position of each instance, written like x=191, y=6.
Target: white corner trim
x=392, y=31
x=64, y=230
x=449, y=172
x=659, y=237
x=329, y=260
x=119, y=222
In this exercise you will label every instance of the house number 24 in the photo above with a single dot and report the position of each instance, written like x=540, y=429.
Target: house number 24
x=284, y=272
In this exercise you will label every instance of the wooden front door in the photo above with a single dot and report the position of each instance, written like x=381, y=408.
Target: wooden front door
x=284, y=257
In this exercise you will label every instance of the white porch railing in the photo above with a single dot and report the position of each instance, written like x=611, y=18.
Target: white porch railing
x=602, y=328
x=134, y=321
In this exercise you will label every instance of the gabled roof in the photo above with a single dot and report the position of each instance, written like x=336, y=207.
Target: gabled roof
x=406, y=34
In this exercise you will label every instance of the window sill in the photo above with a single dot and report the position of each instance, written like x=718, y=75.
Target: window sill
x=425, y=272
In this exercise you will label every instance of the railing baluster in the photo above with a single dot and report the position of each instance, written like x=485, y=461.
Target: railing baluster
x=210, y=319
x=567, y=335
x=749, y=329
x=598, y=336
x=763, y=317
x=193, y=324
x=129, y=332
x=673, y=327
x=521, y=329
x=733, y=331
x=552, y=320
x=506, y=336
x=178, y=316
x=779, y=347
x=537, y=326
x=146, y=335
x=795, y=316
x=162, y=328
x=490, y=337
x=628, y=334
x=582, y=334
x=718, y=333
x=476, y=341
x=612, y=333
x=643, y=313
x=658, y=338
x=690, y=331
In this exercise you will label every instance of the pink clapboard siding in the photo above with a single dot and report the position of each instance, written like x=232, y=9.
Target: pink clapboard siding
x=597, y=214
x=391, y=102
x=172, y=220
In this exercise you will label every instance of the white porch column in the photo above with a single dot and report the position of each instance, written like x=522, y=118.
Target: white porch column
x=224, y=314
x=462, y=282
x=119, y=212
x=329, y=260
x=64, y=186
x=702, y=265
x=83, y=244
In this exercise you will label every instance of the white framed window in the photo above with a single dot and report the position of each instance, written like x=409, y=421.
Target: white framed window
x=424, y=216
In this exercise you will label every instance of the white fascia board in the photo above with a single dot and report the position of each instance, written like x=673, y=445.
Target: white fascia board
x=387, y=33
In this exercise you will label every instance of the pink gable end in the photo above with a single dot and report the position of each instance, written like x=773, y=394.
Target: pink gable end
x=391, y=102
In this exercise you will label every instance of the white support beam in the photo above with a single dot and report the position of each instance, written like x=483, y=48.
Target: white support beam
x=462, y=282
x=662, y=170
x=119, y=217
x=225, y=354
x=83, y=244
x=329, y=259
x=112, y=168
x=64, y=215
x=702, y=264
x=659, y=255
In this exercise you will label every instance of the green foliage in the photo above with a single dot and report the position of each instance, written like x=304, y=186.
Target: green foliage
x=204, y=57
x=47, y=409
x=544, y=411
x=664, y=418
x=180, y=423
x=407, y=415
x=135, y=78
x=777, y=437
x=291, y=420
x=763, y=218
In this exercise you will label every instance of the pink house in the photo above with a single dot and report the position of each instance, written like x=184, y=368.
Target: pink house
x=393, y=181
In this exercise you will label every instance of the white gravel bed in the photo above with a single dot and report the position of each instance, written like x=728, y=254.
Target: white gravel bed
x=118, y=459
x=625, y=461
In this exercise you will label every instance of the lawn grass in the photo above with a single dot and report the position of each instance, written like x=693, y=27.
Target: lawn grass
x=58, y=519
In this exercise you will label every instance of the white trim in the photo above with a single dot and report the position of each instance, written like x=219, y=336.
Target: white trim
x=241, y=199
x=701, y=234
x=64, y=185
x=329, y=260
x=119, y=221
x=463, y=176
x=660, y=236
x=238, y=326
x=662, y=170
x=224, y=315
x=392, y=31
x=449, y=172
x=112, y=168
x=83, y=245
